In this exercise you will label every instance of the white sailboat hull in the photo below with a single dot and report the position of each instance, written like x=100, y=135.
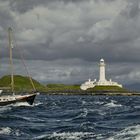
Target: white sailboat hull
x=7, y=100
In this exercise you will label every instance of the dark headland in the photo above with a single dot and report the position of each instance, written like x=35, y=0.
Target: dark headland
x=22, y=84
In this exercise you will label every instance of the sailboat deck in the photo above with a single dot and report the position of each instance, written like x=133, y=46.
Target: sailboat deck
x=7, y=98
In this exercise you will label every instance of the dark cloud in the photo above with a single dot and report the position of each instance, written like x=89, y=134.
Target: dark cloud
x=48, y=31
x=132, y=10
x=25, y=5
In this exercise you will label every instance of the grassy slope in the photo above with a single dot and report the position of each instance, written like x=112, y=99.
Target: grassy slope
x=62, y=87
x=108, y=88
x=21, y=83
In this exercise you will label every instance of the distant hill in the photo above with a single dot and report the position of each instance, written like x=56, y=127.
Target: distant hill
x=21, y=83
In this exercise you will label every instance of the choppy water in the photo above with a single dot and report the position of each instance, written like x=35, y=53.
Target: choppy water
x=72, y=118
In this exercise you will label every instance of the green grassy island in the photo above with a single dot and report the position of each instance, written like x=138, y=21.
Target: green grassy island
x=22, y=84
x=61, y=88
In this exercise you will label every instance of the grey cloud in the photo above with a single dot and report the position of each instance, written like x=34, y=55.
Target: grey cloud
x=73, y=30
x=25, y=5
x=132, y=10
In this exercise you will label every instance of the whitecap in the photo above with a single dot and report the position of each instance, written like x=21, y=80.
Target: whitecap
x=5, y=130
x=99, y=111
x=68, y=136
x=22, y=104
x=83, y=114
x=18, y=133
x=37, y=104
x=9, y=131
x=84, y=102
x=137, y=106
x=18, y=104
x=113, y=104
x=128, y=133
x=99, y=103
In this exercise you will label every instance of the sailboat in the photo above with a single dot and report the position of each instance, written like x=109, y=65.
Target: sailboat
x=12, y=99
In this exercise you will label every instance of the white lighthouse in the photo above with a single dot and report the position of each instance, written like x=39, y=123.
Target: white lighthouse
x=102, y=79
x=102, y=71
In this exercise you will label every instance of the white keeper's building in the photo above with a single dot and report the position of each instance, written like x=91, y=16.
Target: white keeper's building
x=102, y=80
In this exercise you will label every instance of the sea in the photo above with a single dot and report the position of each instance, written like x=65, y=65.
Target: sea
x=72, y=117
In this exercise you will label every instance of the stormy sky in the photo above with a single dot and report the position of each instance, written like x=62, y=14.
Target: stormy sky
x=63, y=40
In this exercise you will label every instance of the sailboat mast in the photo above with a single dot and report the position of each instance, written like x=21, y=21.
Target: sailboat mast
x=11, y=57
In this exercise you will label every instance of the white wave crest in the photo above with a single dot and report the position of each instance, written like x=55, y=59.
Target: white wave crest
x=5, y=130
x=84, y=102
x=26, y=104
x=37, y=104
x=99, y=103
x=113, y=104
x=22, y=104
x=69, y=136
x=83, y=114
x=129, y=133
x=9, y=131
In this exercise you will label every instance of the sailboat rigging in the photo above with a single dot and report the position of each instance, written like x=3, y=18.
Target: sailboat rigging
x=11, y=99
